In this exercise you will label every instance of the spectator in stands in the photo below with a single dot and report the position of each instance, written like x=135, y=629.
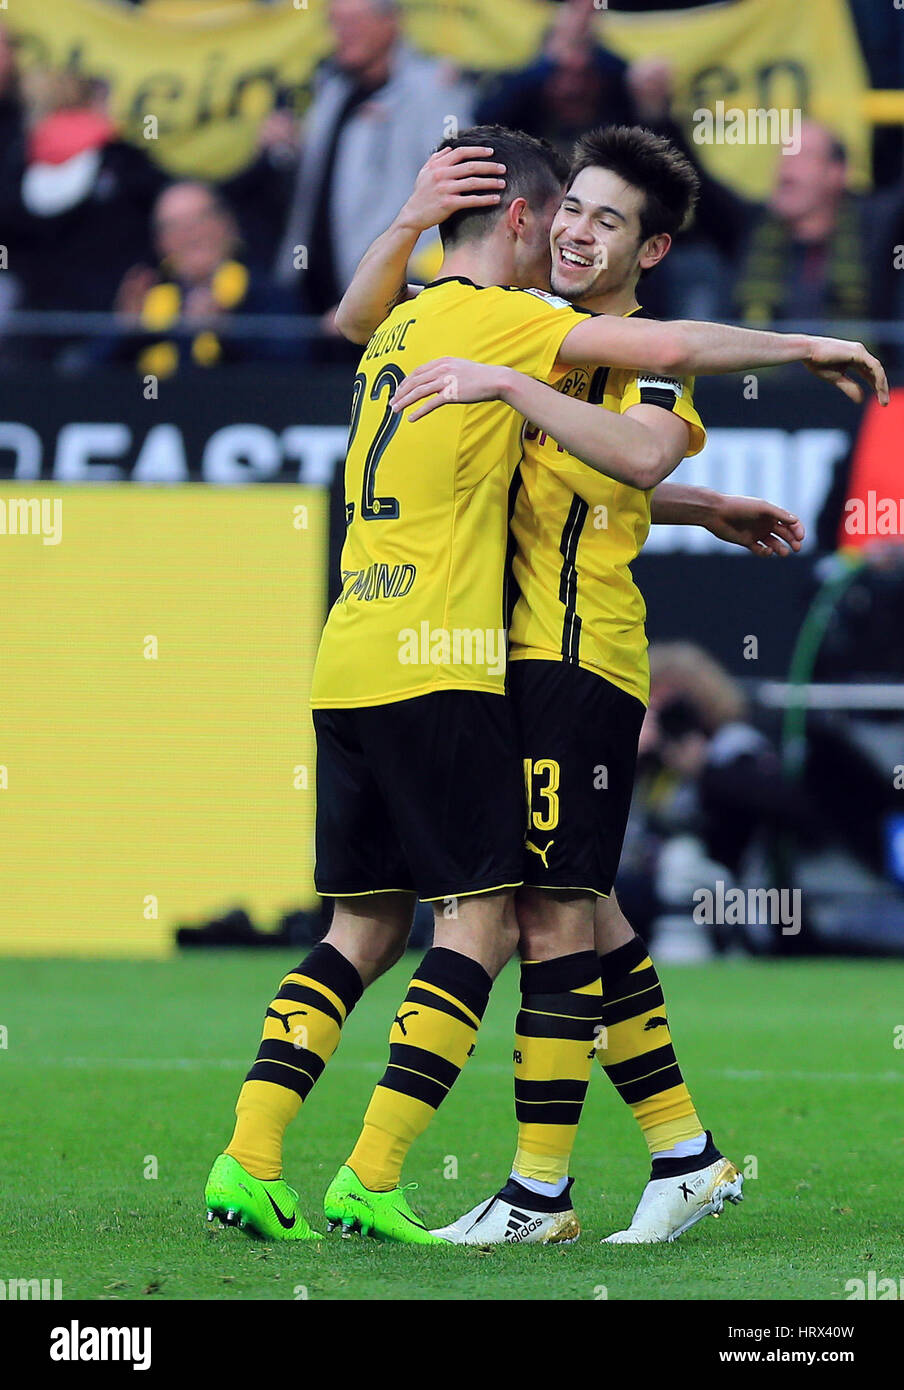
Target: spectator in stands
x=573, y=85
x=711, y=796
x=705, y=737
x=813, y=250
x=379, y=109
x=260, y=194
x=77, y=198
x=696, y=279
x=200, y=282
x=11, y=138
x=807, y=254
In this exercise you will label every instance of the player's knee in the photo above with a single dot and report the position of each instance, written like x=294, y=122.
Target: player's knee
x=392, y=949
x=485, y=928
x=508, y=936
x=611, y=927
x=553, y=924
x=374, y=941
x=504, y=938
x=372, y=950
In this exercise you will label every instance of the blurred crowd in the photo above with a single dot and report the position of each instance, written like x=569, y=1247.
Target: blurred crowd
x=91, y=223
x=722, y=805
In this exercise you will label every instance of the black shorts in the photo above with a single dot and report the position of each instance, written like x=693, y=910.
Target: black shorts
x=579, y=734
x=424, y=795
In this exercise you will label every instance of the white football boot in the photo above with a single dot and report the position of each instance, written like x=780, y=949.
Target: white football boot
x=516, y=1216
x=681, y=1191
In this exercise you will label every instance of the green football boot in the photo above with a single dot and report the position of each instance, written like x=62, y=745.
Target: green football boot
x=384, y=1215
x=265, y=1209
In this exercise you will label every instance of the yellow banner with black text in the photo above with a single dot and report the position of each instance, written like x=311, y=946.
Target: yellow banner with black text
x=191, y=79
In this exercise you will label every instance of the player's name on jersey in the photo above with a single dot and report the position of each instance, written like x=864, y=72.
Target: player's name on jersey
x=388, y=340
x=378, y=581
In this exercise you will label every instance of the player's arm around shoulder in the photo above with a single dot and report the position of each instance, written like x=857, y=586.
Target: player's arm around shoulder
x=640, y=447
x=637, y=451
x=612, y=341
x=690, y=348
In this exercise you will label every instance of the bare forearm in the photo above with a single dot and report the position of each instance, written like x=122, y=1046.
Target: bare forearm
x=712, y=348
x=609, y=443
x=379, y=283
x=679, y=504
x=681, y=348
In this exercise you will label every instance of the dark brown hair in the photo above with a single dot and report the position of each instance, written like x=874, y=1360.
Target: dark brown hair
x=534, y=170
x=651, y=163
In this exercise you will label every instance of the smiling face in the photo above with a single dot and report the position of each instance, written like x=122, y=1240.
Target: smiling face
x=596, y=239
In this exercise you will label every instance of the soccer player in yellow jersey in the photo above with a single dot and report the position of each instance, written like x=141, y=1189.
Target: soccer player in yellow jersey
x=579, y=684
x=579, y=681
x=419, y=779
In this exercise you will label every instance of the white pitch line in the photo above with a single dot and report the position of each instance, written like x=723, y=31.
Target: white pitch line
x=830, y=1076
x=342, y=1064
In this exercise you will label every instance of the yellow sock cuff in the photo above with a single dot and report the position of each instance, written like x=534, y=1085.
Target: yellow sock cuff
x=263, y=1112
x=550, y=1167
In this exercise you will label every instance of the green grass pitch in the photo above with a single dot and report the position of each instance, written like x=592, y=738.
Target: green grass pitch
x=110, y=1064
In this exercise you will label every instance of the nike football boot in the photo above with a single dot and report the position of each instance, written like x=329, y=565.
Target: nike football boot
x=386, y=1215
x=266, y=1209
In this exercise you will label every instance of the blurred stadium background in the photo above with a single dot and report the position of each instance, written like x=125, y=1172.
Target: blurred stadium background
x=185, y=186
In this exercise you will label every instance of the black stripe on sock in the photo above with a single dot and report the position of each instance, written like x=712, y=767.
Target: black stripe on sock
x=615, y=965
x=552, y=1113
x=408, y=1083
x=330, y=967
x=273, y=1050
x=633, y=1092
x=458, y=975
x=433, y=1001
x=534, y=1091
x=640, y=1001
x=540, y=1025
x=422, y=1060
x=303, y=994
x=588, y=1006
x=560, y=975
x=636, y=1067
x=281, y=1076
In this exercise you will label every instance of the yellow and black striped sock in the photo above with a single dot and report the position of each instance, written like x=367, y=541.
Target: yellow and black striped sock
x=560, y=1015
x=637, y=1055
x=301, y=1032
x=432, y=1036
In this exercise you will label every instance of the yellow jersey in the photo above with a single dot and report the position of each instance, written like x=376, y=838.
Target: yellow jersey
x=424, y=559
x=577, y=533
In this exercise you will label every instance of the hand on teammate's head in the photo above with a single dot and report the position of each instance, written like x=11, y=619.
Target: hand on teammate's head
x=453, y=179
